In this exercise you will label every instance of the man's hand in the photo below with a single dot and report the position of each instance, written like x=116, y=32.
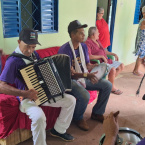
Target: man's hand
x=72, y=71
x=31, y=94
x=91, y=66
x=104, y=59
x=110, y=125
x=116, y=57
x=74, y=74
x=92, y=77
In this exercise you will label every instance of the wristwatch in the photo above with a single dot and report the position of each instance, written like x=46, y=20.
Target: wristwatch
x=85, y=75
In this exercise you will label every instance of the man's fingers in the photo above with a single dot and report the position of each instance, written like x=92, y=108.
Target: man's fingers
x=94, y=65
x=112, y=115
x=94, y=80
x=95, y=72
x=116, y=113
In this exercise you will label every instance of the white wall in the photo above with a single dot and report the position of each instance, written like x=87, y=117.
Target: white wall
x=69, y=10
x=125, y=31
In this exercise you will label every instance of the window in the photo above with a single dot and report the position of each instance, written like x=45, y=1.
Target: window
x=40, y=15
x=137, y=15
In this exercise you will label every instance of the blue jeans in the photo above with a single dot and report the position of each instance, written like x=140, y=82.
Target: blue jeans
x=82, y=97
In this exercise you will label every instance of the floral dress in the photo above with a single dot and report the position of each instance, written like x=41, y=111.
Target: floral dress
x=140, y=42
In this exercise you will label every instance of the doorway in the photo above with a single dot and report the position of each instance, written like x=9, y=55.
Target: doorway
x=109, y=16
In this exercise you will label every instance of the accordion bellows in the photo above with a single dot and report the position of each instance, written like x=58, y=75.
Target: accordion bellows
x=50, y=76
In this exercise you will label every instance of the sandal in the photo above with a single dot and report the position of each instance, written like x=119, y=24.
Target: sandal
x=117, y=92
x=138, y=74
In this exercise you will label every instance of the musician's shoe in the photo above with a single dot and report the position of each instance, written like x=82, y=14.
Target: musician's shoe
x=82, y=124
x=97, y=117
x=65, y=136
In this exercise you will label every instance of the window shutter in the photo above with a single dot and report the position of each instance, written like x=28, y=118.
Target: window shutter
x=137, y=11
x=48, y=16
x=11, y=18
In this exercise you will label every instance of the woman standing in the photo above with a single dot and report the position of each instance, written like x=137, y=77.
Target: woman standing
x=103, y=28
x=140, y=45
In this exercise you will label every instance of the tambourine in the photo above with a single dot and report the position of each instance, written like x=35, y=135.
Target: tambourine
x=102, y=70
x=126, y=136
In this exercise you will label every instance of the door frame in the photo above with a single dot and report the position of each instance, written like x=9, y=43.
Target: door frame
x=113, y=15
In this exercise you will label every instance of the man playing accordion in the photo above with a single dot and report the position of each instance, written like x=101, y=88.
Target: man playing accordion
x=28, y=39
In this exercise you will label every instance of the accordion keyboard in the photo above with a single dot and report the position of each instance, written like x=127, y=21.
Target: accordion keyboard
x=31, y=80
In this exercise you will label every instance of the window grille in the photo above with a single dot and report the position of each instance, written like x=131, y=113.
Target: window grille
x=40, y=15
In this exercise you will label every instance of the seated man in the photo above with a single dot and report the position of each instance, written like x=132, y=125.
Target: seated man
x=27, y=43
x=96, y=51
x=82, y=80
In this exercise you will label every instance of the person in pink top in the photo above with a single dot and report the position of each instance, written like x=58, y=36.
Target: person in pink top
x=103, y=28
x=97, y=51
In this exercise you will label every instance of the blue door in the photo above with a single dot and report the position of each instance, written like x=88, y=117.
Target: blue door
x=112, y=21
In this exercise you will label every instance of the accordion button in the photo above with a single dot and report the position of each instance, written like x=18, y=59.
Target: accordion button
x=41, y=82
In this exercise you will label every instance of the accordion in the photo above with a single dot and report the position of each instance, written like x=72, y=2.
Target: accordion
x=50, y=76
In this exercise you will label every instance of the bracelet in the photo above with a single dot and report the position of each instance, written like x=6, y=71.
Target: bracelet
x=85, y=75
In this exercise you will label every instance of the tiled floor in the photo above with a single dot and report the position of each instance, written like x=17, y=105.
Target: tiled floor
x=132, y=112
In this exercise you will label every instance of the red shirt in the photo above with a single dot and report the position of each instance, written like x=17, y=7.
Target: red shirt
x=103, y=29
x=94, y=49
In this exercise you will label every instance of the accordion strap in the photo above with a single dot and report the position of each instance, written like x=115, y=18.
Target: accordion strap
x=21, y=56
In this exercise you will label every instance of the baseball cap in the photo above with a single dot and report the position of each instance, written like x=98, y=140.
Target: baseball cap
x=29, y=36
x=75, y=25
